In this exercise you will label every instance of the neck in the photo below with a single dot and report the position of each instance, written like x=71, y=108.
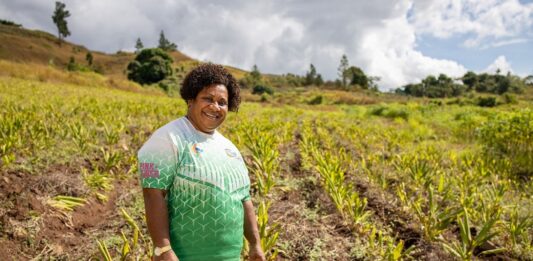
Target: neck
x=195, y=126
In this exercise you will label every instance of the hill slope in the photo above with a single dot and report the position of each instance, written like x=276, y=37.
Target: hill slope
x=34, y=46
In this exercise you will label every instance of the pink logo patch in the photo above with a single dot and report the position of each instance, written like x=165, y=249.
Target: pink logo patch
x=148, y=170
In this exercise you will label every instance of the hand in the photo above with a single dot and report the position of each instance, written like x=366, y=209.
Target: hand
x=256, y=254
x=167, y=256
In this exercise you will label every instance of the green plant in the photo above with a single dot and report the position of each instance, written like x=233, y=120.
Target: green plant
x=316, y=100
x=97, y=180
x=433, y=218
x=269, y=233
x=518, y=226
x=150, y=66
x=260, y=89
x=468, y=242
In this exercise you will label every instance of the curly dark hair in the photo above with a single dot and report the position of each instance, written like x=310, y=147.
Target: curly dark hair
x=208, y=74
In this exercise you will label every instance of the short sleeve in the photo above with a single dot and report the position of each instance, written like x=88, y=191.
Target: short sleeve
x=158, y=161
x=246, y=195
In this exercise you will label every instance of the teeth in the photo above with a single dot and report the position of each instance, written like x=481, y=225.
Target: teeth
x=210, y=115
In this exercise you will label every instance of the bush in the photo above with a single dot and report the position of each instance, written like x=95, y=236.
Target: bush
x=316, y=100
x=171, y=85
x=150, y=66
x=389, y=112
x=486, y=101
x=508, y=137
x=260, y=89
x=76, y=67
x=9, y=23
x=509, y=99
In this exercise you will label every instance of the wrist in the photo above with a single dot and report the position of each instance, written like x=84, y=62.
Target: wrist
x=255, y=245
x=158, y=251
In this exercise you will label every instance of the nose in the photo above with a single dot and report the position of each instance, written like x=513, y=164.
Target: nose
x=215, y=106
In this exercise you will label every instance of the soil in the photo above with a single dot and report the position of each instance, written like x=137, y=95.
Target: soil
x=29, y=228
x=309, y=222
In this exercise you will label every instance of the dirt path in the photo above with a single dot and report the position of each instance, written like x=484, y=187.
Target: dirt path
x=311, y=228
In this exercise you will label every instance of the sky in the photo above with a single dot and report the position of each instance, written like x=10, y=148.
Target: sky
x=400, y=41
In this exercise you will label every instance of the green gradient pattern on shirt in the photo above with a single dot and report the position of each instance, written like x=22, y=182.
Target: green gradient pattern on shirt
x=207, y=181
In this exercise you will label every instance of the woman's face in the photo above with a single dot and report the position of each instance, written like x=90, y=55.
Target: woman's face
x=208, y=110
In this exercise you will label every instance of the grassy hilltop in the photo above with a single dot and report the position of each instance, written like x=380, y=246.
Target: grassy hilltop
x=356, y=176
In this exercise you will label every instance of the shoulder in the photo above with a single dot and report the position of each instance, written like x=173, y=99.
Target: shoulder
x=169, y=134
x=221, y=140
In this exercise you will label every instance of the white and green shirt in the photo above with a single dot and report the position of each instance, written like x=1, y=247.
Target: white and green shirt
x=206, y=180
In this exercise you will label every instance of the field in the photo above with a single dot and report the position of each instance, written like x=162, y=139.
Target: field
x=410, y=180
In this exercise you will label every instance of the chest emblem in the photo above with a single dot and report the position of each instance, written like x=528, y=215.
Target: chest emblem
x=230, y=153
x=196, y=149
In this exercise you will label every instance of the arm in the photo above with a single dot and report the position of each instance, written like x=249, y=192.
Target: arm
x=157, y=221
x=251, y=232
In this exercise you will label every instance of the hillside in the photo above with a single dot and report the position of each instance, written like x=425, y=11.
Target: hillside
x=38, y=47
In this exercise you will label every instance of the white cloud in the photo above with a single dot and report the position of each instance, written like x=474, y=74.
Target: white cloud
x=286, y=36
x=482, y=21
x=500, y=64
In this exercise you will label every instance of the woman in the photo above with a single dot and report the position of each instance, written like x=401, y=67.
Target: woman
x=195, y=183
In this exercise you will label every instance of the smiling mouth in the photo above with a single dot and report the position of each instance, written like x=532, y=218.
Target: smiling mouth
x=211, y=116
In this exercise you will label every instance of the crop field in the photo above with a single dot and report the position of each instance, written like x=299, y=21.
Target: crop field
x=415, y=180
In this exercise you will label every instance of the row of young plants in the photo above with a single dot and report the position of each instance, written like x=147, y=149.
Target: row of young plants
x=319, y=150
x=262, y=137
x=449, y=192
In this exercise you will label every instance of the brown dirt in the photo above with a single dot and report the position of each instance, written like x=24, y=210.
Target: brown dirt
x=29, y=228
x=401, y=223
x=310, y=225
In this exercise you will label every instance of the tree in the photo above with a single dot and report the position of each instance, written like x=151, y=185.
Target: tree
x=138, y=45
x=318, y=80
x=71, y=66
x=60, y=14
x=310, y=76
x=470, y=80
x=357, y=77
x=528, y=80
x=165, y=44
x=150, y=66
x=342, y=70
x=252, y=78
x=255, y=73
x=89, y=58
x=373, y=83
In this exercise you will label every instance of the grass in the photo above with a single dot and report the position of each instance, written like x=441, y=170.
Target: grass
x=424, y=160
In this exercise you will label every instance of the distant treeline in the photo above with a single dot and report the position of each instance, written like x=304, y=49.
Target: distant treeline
x=350, y=78
x=445, y=86
x=9, y=23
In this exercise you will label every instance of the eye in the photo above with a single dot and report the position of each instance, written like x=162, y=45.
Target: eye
x=222, y=103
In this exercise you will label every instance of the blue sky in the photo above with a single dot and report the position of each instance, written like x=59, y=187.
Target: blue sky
x=401, y=41
x=518, y=55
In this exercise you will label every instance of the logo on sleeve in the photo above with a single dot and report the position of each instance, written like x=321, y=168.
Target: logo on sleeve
x=148, y=170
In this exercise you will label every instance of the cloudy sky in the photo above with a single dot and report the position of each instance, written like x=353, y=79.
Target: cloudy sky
x=400, y=41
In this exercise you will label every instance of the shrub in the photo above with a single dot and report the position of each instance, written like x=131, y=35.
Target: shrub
x=260, y=89
x=389, y=112
x=150, y=66
x=509, y=98
x=171, y=85
x=486, y=101
x=9, y=23
x=507, y=137
x=316, y=100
